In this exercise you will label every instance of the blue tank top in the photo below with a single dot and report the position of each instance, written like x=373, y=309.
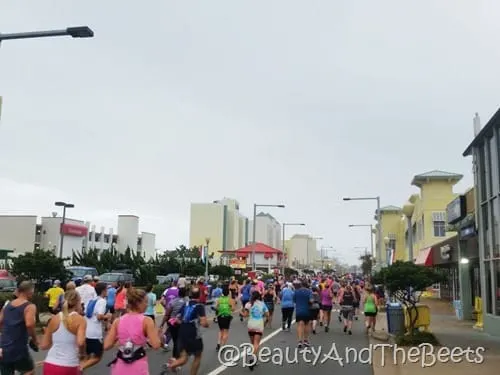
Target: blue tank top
x=14, y=333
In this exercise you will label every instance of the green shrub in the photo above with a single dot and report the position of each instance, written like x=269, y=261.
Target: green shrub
x=159, y=289
x=416, y=339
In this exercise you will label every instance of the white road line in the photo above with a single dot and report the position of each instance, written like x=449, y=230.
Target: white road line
x=236, y=358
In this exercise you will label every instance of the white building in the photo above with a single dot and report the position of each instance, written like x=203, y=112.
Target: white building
x=267, y=230
x=221, y=222
x=21, y=234
x=301, y=250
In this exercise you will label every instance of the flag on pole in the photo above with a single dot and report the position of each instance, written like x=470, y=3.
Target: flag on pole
x=203, y=255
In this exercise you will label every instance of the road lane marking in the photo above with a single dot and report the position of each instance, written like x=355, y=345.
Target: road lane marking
x=237, y=357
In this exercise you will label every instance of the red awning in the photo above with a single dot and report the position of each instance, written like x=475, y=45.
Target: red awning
x=424, y=257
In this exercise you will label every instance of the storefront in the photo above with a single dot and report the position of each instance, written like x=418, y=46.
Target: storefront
x=445, y=259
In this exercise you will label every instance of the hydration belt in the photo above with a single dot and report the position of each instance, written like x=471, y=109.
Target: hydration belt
x=136, y=355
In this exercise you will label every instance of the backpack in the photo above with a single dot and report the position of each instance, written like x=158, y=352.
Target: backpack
x=187, y=316
x=224, y=307
x=89, y=310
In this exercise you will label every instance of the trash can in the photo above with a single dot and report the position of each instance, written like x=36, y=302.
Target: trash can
x=459, y=309
x=395, y=319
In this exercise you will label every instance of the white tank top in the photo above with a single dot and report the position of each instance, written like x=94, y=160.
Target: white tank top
x=64, y=350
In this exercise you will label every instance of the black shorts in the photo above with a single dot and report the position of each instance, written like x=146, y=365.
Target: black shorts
x=188, y=340
x=254, y=333
x=25, y=364
x=54, y=311
x=370, y=314
x=326, y=308
x=314, y=314
x=94, y=347
x=244, y=302
x=299, y=318
x=224, y=322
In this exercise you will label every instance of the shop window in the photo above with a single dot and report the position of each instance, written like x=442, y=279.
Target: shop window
x=497, y=286
x=487, y=298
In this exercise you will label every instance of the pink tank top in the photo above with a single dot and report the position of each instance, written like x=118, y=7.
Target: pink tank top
x=326, y=300
x=131, y=327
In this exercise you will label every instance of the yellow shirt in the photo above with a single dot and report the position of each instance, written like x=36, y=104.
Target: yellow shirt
x=53, y=294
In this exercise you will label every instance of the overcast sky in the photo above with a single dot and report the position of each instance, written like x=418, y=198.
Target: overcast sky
x=294, y=102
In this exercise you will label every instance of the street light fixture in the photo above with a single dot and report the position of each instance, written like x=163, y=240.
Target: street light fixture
x=254, y=229
x=283, y=241
x=74, y=32
x=371, y=233
x=64, y=205
x=379, y=223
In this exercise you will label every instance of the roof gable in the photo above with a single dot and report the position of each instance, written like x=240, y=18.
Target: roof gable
x=436, y=175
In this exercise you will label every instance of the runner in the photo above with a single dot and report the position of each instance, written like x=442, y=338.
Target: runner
x=64, y=338
x=347, y=303
x=303, y=300
x=86, y=291
x=150, y=309
x=339, y=298
x=357, y=297
x=224, y=307
x=190, y=341
x=53, y=294
x=233, y=289
x=370, y=304
x=270, y=300
x=315, y=308
x=245, y=296
x=171, y=319
x=121, y=299
x=326, y=307
x=287, y=296
x=216, y=294
x=256, y=310
x=132, y=331
x=17, y=320
x=95, y=315
x=169, y=295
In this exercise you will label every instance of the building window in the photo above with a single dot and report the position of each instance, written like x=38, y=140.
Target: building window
x=494, y=227
x=487, y=298
x=439, y=224
x=486, y=231
x=497, y=287
x=97, y=237
x=494, y=166
x=482, y=171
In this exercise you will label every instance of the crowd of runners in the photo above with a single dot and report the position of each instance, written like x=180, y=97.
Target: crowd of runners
x=94, y=317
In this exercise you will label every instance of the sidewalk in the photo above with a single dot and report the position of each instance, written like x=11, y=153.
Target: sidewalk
x=451, y=333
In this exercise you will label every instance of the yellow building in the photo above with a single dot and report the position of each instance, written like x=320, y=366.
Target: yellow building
x=221, y=222
x=425, y=210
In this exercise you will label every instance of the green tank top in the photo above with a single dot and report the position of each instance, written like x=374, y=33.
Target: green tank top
x=370, y=305
x=224, y=307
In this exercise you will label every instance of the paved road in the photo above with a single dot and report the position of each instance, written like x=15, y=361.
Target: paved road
x=279, y=356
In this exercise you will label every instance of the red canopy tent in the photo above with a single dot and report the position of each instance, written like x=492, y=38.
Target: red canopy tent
x=244, y=252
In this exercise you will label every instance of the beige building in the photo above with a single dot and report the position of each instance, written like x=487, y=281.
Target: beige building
x=221, y=222
x=267, y=231
x=301, y=250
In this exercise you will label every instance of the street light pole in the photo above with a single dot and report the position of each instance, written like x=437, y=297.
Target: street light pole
x=64, y=205
x=254, y=229
x=207, y=241
x=380, y=241
x=74, y=32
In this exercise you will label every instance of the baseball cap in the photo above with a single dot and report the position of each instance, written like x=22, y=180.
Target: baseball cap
x=87, y=278
x=57, y=282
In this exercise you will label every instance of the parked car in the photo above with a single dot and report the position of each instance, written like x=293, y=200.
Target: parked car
x=80, y=271
x=7, y=282
x=116, y=277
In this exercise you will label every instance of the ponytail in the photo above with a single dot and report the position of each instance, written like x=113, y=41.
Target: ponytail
x=65, y=314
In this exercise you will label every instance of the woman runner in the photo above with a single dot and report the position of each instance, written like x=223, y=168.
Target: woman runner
x=65, y=338
x=326, y=306
x=370, y=308
x=256, y=311
x=270, y=300
x=315, y=308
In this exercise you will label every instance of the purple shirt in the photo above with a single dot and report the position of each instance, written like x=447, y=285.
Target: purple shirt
x=171, y=293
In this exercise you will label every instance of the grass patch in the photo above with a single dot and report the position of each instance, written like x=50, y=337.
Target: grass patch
x=416, y=339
